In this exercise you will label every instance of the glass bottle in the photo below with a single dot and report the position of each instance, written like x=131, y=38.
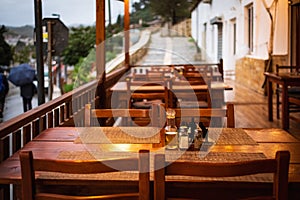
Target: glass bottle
x=198, y=140
x=171, y=137
x=191, y=130
x=183, y=139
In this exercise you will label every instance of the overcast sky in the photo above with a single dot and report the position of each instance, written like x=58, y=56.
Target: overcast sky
x=72, y=12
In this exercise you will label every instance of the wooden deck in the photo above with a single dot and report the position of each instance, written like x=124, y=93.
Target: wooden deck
x=251, y=109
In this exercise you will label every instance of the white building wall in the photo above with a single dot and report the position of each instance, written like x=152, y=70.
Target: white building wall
x=235, y=10
x=282, y=34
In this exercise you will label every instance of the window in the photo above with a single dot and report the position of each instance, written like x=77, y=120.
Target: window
x=250, y=23
x=234, y=37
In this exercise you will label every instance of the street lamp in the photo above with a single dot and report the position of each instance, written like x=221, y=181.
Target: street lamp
x=56, y=15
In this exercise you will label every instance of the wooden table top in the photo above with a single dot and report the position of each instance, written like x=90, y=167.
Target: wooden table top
x=60, y=143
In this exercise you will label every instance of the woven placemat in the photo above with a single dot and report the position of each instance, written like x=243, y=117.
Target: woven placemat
x=230, y=136
x=118, y=135
x=194, y=156
x=93, y=155
x=198, y=156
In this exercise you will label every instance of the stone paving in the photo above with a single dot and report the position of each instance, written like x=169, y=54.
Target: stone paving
x=169, y=50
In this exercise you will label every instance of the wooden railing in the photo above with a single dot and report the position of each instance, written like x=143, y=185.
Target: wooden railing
x=61, y=111
x=57, y=112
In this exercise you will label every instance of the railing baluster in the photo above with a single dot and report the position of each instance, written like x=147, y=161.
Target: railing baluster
x=68, y=113
x=16, y=141
x=62, y=114
x=4, y=148
x=43, y=123
x=26, y=134
x=35, y=128
x=50, y=119
x=4, y=192
x=56, y=117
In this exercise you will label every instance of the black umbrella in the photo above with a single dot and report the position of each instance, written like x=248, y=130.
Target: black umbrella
x=21, y=75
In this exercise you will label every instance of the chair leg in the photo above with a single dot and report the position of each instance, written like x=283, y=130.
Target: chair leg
x=277, y=106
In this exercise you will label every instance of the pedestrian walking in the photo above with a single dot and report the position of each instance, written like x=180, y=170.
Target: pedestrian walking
x=27, y=92
x=23, y=76
x=4, y=88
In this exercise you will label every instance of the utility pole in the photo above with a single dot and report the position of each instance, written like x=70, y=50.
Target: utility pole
x=109, y=13
x=50, y=87
x=39, y=50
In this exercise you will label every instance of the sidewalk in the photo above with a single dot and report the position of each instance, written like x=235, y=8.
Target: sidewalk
x=14, y=105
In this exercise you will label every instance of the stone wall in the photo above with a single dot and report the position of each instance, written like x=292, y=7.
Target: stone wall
x=249, y=71
x=182, y=29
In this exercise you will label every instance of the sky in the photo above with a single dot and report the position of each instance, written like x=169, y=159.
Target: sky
x=72, y=12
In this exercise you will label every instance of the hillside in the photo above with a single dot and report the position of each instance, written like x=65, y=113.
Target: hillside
x=24, y=31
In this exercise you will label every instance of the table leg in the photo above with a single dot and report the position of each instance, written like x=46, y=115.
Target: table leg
x=285, y=108
x=270, y=100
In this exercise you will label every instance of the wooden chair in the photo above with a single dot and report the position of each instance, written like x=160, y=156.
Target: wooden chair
x=143, y=116
x=142, y=98
x=206, y=114
x=189, y=98
x=293, y=92
x=30, y=166
x=278, y=166
x=155, y=75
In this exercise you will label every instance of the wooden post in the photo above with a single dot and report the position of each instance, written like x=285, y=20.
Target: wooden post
x=100, y=53
x=126, y=32
x=100, y=37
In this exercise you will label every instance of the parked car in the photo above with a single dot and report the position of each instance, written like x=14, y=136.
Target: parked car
x=46, y=80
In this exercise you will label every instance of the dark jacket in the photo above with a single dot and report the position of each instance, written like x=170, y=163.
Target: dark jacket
x=27, y=91
x=5, y=82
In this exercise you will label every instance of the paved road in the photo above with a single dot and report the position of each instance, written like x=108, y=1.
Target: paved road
x=169, y=50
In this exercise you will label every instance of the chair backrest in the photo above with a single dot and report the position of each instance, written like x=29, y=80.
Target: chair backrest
x=95, y=114
x=199, y=113
x=184, y=90
x=295, y=100
x=155, y=75
x=278, y=166
x=148, y=90
x=29, y=167
x=287, y=68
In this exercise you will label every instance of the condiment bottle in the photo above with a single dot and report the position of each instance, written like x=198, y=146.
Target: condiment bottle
x=171, y=137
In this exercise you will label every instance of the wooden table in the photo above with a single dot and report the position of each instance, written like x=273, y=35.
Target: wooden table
x=285, y=80
x=119, y=91
x=62, y=143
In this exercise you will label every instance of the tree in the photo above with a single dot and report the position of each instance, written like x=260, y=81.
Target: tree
x=141, y=11
x=81, y=41
x=5, y=49
x=272, y=11
x=22, y=52
x=171, y=10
